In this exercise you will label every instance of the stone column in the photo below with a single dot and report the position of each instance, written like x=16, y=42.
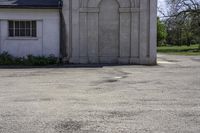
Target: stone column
x=83, y=36
x=153, y=32
x=125, y=35
x=144, y=31
x=93, y=39
x=135, y=30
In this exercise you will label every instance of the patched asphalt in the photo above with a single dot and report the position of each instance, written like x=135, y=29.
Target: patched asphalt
x=107, y=99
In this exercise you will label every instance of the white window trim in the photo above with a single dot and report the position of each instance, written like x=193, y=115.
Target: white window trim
x=22, y=37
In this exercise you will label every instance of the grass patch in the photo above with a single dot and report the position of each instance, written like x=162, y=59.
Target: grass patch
x=180, y=50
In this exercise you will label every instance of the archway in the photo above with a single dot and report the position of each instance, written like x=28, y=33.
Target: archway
x=109, y=31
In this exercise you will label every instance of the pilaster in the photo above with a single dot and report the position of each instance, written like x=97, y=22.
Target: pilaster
x=75, y=49
x=125, y=38
x=93, y=39
x=83, y=37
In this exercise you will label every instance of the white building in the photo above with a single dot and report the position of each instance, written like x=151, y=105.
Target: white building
x=80, y=31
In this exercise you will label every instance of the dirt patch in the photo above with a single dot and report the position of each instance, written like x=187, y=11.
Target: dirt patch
x=78, y=99
x=98, y=88
x=126, y=114
x=18, y=75
x=106, y=81
x=140, y=82
x=34, y=100
x=158, y=100
x=68, y=126
x=117, y=76
x=45, y=99
x=168, y=60
x=190, y=114
x=110, y=80
x=195, y=59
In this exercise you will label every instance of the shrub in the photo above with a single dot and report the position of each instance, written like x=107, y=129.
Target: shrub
x=6, y=59
x=30, y=60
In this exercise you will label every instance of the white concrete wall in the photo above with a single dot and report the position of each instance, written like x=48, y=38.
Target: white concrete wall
x=48, y=33
x=111, y=31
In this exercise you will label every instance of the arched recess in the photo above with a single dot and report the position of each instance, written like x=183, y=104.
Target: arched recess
x=135, y=30
x=90, y=22
x=109, y=31
x=135, y=3
x=83, y=3
x=97, y=3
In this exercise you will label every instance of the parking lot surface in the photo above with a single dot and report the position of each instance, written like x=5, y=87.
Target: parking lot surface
x=105, y=99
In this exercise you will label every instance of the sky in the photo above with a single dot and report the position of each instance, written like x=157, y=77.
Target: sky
x=162, y=6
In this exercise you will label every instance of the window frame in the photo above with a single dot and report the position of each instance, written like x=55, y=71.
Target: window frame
x=22, y=29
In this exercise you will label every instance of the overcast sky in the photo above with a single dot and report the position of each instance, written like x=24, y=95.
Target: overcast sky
x=161, y=2
x=161, y=5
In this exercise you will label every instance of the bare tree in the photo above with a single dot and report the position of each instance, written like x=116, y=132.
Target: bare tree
x=182, y=18
x=183, y=7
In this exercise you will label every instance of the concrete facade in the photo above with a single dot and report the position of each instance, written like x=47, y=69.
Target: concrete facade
x=110, y=31
x=92, y=32
x=48, y=31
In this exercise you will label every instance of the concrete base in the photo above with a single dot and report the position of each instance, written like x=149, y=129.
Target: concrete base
x=112, y=60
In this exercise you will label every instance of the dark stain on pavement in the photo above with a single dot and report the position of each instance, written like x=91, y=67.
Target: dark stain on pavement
x=34, y=100
x=126, y=114
x=189, y=114
x=196, y=59
x=68, y=126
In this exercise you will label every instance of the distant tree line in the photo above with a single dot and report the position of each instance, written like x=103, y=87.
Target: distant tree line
x=181, y=24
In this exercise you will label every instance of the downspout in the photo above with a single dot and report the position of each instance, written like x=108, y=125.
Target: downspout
x=63, y=46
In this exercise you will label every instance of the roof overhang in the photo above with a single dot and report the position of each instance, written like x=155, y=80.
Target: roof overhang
x=30, y=7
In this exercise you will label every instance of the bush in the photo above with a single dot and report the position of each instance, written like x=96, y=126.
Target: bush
x=6, y=59
x=30, y=60
x=161, y=33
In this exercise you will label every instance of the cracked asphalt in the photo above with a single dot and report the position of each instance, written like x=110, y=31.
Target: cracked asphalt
x=110, y=99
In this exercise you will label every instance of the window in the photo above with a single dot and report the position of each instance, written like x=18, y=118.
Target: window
x=22, y=28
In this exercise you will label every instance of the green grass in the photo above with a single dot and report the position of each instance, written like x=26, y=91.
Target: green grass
x=180, y=50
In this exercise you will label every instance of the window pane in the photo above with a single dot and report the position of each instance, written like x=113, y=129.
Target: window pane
x=28, y=25
x=33, y=32
x=28, y=33
x=22, y=28
x=11, y=32
x=11, y=28
x=16, y=24
x=22, y=24
x=16, y=32
x=22, y=32
x=34, y=24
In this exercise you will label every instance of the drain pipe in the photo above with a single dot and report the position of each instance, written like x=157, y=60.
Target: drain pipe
x=63, y=53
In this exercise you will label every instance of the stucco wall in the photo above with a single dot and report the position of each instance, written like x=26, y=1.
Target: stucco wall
x=47, y=41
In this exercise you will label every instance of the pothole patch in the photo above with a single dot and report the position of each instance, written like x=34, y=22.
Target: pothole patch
x=110, y=80
x=68, y=126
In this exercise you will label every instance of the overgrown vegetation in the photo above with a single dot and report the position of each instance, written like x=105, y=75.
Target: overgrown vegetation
x=179, y=27
x=182, y=22
x=30, y=60
x=162, y=32
x=180, y=50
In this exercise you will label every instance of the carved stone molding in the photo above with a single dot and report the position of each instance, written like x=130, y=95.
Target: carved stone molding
x=90, y=10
